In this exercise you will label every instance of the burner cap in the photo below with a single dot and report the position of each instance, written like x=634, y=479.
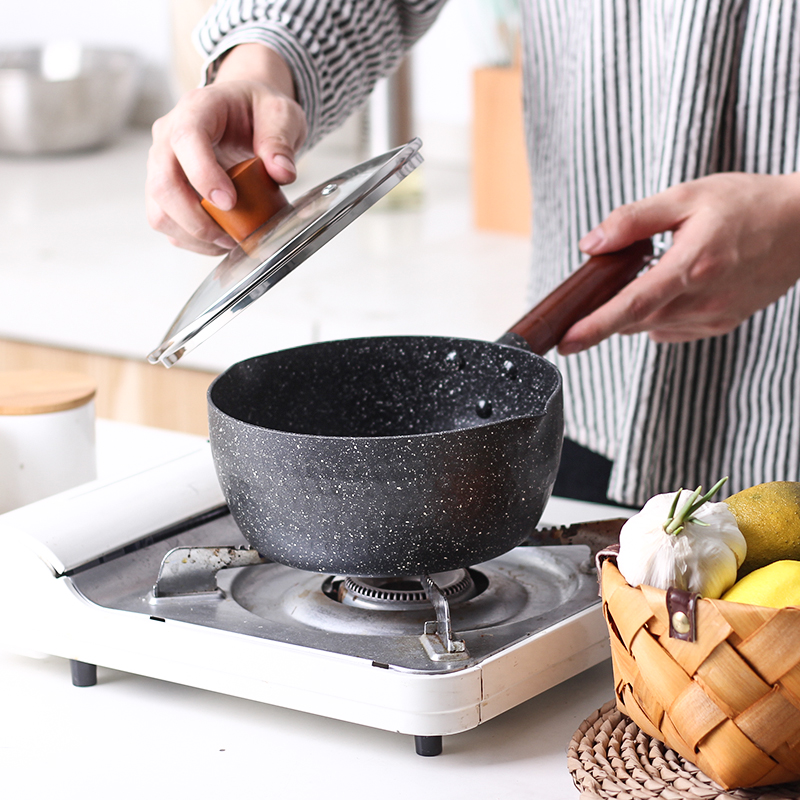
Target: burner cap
x=402, y=594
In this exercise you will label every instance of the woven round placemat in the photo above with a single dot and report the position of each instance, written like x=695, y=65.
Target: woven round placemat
x=609, y=757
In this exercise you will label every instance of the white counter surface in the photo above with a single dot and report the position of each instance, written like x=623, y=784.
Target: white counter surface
x=80, y=268
x=133, y=737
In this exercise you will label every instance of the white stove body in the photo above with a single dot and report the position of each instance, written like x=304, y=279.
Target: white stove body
x=52, y=537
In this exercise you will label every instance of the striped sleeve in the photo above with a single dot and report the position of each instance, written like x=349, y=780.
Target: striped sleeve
x=337, y=49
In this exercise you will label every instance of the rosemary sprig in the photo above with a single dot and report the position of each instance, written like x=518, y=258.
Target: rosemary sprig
x=676, y=522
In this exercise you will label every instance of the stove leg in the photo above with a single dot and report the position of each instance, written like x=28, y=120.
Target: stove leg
x=83, y=674
x=428, y=745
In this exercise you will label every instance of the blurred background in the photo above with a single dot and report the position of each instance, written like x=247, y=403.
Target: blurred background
x=159, y=32
x=86, y=285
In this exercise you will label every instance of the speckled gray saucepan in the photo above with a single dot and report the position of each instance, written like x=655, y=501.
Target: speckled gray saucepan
x=401, y=455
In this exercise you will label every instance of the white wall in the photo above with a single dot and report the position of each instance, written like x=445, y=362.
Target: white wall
x=443, y=61
x=140, y=25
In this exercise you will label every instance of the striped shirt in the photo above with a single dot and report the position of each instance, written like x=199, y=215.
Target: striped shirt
x=623, y=98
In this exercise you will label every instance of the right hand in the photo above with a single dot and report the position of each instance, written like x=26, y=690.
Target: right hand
x=249, y=110
x=734, y=249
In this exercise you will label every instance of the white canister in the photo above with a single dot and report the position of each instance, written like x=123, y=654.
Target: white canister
x=47, y=434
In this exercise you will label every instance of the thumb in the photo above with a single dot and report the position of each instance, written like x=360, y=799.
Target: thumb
x=278, y=158
x=281, y=165
x=634, y=221
x=277, y=138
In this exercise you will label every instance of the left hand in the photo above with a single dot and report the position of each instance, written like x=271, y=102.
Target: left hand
x=735, y=250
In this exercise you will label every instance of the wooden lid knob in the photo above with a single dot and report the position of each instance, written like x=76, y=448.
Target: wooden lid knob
x=36, y=391
x=258, y=198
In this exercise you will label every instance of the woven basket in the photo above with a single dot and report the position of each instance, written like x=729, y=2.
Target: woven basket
x=729, y=701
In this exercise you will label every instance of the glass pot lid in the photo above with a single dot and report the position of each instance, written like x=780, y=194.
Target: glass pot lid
x=286, y=240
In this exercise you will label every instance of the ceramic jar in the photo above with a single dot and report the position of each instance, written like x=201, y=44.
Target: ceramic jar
x=47, y=434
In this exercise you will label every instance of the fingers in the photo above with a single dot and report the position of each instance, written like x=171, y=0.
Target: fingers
x=639, y=306
x=195, y=131
x=278, y=122
x=173, y=208
x=210, y=130
x=635, y=306
x=181, y=167
x=179, y=237
x=281, y=167
x=279, y=130
x=639, y=220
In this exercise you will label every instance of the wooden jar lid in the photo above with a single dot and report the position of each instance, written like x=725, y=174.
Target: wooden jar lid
x=37, y=391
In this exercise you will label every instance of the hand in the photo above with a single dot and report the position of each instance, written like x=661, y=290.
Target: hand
x=736, y=249
x=248, y=110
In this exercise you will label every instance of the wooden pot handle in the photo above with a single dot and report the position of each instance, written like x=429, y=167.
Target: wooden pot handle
x=596, y=282
x=258, y=198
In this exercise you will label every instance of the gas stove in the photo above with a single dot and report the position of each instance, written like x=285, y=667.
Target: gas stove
x=150, y=575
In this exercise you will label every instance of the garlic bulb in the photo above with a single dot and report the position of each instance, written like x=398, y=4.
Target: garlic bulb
x=681, y=540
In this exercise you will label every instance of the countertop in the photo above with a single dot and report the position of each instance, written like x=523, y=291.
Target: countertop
x=81, y=269
x=132, y=737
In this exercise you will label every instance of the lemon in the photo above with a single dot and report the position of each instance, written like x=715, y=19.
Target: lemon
x=768, y=515
x=777, y=585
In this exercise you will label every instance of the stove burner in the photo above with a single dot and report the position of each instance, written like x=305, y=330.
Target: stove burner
x=518, y=595
x=401, y=594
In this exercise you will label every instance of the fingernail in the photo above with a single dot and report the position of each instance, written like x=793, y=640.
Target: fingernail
x=569, y=348
x=284, y=162
x=222, y=200
x=592, y=240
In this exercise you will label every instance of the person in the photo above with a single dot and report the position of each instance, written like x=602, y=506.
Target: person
x=677, y=120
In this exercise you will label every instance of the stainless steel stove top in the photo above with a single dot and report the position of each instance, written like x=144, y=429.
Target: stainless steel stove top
x=511, y=597
x=429, y=656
